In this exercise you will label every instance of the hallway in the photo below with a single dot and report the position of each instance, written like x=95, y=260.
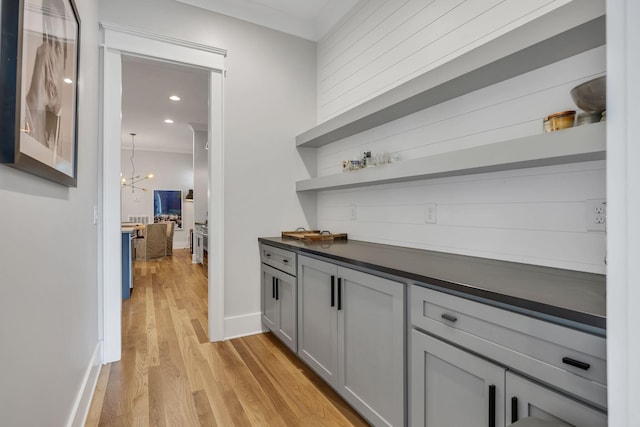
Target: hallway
x=171, y=375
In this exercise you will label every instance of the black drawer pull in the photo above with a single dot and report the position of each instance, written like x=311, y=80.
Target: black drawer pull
x=514, y=409
x=449, y=317
x=285, y=261
x=333, y=291
x=492, y=406
x=576, y=363
x=267, y=254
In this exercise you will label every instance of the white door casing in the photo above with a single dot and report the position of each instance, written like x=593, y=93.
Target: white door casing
x=118, y=41
x=623, y=212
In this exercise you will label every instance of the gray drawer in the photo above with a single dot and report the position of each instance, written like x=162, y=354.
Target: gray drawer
x=539, y=349
x=281, y=259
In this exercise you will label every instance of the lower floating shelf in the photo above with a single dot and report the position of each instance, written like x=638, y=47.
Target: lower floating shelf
x=578, y=144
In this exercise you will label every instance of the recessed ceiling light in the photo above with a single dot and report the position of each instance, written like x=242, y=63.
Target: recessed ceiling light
x=67, y=80
x=174, y=98
x=168, y=121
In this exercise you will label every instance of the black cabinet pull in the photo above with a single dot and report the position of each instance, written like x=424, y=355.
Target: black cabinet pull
x=273, y=287
x=285, y=260
x=339, y=293
x=449, y=317
x=576, y=363
x=514, y=409
x=268, y=255
x=333, y=291
x=277, y=289
x=492, y=405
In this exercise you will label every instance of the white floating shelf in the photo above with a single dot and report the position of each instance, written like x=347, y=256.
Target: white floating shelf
x=566, y=31
x=578, y=144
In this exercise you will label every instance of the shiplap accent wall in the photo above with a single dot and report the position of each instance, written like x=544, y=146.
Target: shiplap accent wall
x=384, y=43
x=534, y=215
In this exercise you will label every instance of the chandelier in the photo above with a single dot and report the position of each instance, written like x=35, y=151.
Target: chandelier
x=135, y=179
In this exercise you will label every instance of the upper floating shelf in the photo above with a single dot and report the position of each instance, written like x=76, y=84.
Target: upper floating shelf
x=569, y=30
x=579, y=144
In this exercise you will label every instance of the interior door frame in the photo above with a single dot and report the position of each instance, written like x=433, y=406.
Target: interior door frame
x=116, y=42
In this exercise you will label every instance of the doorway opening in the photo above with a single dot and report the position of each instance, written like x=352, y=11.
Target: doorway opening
x=164, y=135
x=120, y=44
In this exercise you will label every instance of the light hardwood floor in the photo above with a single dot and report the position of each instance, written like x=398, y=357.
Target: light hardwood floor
x=170, y=375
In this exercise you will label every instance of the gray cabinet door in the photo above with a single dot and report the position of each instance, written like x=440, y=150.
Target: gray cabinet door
x=199, y=249
x=287, y=303
x=267, y=297
x=371, y=346
x=450, y=387
x=278, y=304
x=318, y=317
x=528, y=399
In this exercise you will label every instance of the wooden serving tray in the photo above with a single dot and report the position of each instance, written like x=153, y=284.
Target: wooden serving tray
x=313, y=235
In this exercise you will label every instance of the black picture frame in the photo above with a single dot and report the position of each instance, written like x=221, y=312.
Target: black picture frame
x=39, y=68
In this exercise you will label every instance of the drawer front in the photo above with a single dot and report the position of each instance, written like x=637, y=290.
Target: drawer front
x=571, y=360
x=278, y=258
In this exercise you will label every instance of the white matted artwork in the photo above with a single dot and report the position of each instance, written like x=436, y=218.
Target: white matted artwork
x=41, y=88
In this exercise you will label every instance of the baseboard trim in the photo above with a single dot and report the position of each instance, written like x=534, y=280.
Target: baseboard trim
x=81, y=405
x=242, y=326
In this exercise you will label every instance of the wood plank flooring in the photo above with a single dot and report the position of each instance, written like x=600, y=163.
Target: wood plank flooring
x=171, y=375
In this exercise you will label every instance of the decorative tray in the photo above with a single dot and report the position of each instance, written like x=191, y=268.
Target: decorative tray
x=313, y=235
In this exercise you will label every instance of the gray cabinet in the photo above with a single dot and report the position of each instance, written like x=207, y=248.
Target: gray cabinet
x=279, y=304
x=318, y=317
x=351, y=328
x=286, y=312
x=278, y=296
x=528, y=399
x=451, y=387
x=268, y=297
x=461, y=348
x=198, y=244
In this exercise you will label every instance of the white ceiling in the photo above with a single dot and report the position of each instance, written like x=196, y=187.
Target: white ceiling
x=309, y=19
x=146, y=87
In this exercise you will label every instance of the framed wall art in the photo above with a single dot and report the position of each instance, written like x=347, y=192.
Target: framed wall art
x=167, y=206
x=39, y=50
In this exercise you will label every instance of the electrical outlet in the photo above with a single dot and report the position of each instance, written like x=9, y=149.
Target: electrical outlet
x=354, y=212
x=430, y=213
x=596, y=214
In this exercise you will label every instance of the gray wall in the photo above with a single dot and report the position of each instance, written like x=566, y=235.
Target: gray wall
x=48, y=265
x=269, y=98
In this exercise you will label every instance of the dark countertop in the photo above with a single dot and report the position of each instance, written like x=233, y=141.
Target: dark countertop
x=576, y=297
